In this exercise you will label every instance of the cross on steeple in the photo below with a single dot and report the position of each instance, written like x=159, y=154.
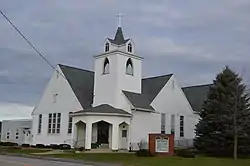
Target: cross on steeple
x=119, y=19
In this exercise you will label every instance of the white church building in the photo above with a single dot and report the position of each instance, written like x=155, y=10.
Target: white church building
x=113, y=105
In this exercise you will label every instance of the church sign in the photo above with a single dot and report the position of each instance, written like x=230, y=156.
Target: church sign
x=161, y=144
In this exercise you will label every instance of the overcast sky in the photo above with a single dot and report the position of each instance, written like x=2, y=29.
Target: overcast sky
x=194, y=39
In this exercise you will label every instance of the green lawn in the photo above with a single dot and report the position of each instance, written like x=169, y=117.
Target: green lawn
x=22, y=151
x=132, y=160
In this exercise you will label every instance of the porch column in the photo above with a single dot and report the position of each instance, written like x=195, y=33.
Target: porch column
x=74, y=135
x=88, y=135
x=115, y=137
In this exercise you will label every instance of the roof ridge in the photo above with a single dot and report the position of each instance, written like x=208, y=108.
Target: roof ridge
x=152, y=77
x=75, y=68
x=200, y=85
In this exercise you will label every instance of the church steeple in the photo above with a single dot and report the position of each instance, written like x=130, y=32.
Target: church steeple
x=119, y=38
x=117, y=69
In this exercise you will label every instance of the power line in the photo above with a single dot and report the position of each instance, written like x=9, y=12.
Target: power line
x=32, y=45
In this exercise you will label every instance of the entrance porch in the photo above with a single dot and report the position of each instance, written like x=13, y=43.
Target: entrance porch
x=106, y=132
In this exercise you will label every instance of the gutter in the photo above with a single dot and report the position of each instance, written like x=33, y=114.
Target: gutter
x=100, y=114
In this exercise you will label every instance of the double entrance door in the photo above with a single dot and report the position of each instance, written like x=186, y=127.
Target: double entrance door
x=103, y=132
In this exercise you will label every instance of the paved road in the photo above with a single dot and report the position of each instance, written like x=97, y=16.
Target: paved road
x=19, y=161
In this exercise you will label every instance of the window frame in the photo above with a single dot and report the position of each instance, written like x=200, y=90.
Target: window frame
x=70, y=124
x=130, y=47
x=128, y=63
x=163, y=123
x=107, y=47
x=172, y=123
x=58, y=123
x=181, y=126
x=8, y=135
x=124, y=133
x=50, y=123
x=106, y=63
x=40, y=117
x=54, y=123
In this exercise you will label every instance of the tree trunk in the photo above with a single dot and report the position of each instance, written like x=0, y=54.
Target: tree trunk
x=235, y=127
x=235, y=145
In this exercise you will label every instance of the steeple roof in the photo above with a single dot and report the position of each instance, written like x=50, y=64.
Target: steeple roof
x=119, y=38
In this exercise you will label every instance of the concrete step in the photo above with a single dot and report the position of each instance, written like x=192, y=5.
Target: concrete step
x=104, y=146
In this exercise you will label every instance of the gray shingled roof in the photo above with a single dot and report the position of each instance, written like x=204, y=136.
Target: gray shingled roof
x=153, y=85
x=196, y=95
x=119, y=38
x=81, y=82
x=139, y=100
x=150, y=88
x=104, y=108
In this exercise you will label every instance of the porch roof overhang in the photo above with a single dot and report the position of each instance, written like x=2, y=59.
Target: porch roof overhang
x=102, y=110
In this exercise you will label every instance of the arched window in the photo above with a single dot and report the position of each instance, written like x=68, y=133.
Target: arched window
x=106, y=66
x=129, y=47
x=106, y=47
x=129, y=67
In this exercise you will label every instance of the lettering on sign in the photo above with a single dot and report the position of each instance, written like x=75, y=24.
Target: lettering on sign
x=161, y=145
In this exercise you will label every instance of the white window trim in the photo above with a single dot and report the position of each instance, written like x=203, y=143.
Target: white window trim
x=54, y=123
x=40, y=121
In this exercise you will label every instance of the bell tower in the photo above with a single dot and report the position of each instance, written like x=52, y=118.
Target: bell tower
x=117, y=69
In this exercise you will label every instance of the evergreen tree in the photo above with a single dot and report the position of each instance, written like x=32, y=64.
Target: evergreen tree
x=224, y=124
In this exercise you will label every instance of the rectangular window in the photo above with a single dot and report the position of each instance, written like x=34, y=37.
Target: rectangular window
x=40, y=123
x=163, y=123
x=50, y=123
x=8, y=135
x=124, y=133
x=181, y=126
x=58, y=126
x=172, y=120
x=54, y=123
x=70, y=125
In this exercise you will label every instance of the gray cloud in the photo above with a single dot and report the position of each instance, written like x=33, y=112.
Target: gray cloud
x=194, y=39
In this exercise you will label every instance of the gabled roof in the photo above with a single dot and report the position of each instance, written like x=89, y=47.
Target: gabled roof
x=119, y=38
x=104, y=108
x=150, y=89
x=139, y=101
x=81, y=82
x=153, y=85
x=196, y=95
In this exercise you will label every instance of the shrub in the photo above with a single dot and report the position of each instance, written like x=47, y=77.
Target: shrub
x=48, y=147
x=81, y=149
x=143, y=153
x=40, y=146
x=54, y=146
x=25, y=145
x=9, y=144
x=185, y=153
x=33, y=146
x=64, y=147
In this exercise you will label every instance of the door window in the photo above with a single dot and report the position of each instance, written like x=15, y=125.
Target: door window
x=124, y=133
